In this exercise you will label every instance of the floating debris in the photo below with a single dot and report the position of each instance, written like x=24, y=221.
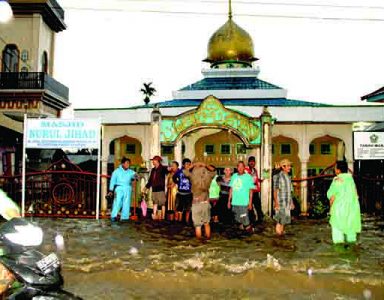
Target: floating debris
x=133, y=251
x=59, y=241
x=367, y=294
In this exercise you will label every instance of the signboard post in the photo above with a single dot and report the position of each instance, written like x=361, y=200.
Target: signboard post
x=368, y=145
x=62, y=133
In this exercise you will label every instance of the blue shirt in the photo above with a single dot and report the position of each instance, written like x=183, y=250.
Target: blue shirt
x=182, y=181
x=121, y=178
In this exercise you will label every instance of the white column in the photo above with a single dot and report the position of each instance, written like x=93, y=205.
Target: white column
x=155, y=132
x=104, y=171
x=155, y=146
x=303, y=188
x=266, y=162
x=178, y=151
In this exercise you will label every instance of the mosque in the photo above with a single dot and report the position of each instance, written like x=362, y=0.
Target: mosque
x=230, y=115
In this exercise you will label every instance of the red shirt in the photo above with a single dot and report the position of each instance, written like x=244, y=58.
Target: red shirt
x=256, y=180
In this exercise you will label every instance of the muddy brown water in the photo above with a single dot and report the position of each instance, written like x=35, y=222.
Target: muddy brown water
x=155, y=260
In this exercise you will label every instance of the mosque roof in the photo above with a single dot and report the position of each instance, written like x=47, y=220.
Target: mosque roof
x=230, y=83
x=237, y=102
x=375, y=96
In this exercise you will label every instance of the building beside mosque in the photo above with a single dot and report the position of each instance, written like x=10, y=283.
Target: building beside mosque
x=229, y=115
x=27, y=85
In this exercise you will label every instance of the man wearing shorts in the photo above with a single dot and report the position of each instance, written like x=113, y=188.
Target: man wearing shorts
x=240, y=196
x=184, y=193
x=201, y=176
x=156, y=181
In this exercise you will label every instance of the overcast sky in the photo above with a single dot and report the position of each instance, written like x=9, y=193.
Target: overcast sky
x=322, y=51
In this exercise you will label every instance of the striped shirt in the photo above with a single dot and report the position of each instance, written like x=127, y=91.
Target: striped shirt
x=282, y=183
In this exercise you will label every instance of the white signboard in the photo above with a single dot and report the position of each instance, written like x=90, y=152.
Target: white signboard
x=368, y=145
x=62, y=133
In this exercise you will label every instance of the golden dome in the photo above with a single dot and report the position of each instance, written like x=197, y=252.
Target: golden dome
x=230, y=43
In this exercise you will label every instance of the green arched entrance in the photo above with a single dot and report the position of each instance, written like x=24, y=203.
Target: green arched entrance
x=211, y=113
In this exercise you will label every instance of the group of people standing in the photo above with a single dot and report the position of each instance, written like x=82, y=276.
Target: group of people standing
x=196, y=189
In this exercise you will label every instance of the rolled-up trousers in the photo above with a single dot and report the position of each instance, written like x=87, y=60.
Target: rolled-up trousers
x=122, y=201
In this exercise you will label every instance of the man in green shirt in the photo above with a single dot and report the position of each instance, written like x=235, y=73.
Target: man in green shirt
x=240, y=196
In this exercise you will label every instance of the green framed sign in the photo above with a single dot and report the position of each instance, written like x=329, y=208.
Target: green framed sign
x=211, y=113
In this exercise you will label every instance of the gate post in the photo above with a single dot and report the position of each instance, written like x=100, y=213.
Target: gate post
x=266, y=162
x=155, y=126
x=304, y=188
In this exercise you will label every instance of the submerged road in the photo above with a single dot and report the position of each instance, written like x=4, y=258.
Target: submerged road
x=158, y=260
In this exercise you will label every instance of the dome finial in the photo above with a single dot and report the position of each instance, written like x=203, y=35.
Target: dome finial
x=230, y=10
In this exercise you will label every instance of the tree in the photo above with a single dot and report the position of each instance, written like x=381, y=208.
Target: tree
x=148, y=91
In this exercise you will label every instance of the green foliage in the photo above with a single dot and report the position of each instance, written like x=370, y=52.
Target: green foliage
x=319, y=207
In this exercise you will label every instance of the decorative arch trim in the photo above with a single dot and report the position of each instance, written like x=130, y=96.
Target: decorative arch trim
x=211, y=113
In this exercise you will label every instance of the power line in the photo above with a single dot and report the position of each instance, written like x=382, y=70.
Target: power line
x=248, y=2
x=217, y=13
x=298, y=4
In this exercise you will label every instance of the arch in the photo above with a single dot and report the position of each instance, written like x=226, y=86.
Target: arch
x=10, y=58
x=126, y=146
x=211, y=113
x=280, y=151
x=222, y=127
x=324, y=151
x=224, y=140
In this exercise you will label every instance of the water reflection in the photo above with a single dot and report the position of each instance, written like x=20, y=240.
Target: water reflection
x=150, y=259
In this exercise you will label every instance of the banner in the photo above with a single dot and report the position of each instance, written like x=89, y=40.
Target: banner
x=368, y=145
x=63, y=133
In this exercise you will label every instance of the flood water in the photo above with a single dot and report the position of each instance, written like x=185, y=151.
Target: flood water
x=149, y=259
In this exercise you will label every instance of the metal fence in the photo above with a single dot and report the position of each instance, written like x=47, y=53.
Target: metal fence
x=64, y=190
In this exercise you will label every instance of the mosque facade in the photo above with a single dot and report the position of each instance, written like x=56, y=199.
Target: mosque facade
x=230, y=115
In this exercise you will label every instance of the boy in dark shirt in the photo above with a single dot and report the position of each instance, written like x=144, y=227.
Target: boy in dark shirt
x=156, y=181
x=184, y=193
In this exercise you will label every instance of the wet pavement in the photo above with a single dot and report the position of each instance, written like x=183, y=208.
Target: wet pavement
x=162, y=260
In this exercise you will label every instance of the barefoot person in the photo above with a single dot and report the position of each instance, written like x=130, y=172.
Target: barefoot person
x=240, y=196
x=282, y=196
x=156, y=181
x=256, y=201
x=184, y=193
x=172, y=189
x=345, y=208
x=121, y=185
x=201, y=176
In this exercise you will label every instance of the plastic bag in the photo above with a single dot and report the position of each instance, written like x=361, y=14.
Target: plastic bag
x=143, y=207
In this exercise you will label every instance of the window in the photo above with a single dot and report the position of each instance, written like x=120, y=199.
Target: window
x=311, y=172
x=112, y=148
x=130, y=149
x=325, y=149
x=24, y=55
x=312, y=148
x=10, y=59
x=44, y=62
x=285, y=148
x=240, y=149
x=166, y=150
x=273, y=148
x=225, y=149
x=209, y=149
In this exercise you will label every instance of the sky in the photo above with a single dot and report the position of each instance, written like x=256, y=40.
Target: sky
x=328, y=51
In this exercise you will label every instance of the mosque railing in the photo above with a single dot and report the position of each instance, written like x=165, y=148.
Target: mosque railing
x=370, y=191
